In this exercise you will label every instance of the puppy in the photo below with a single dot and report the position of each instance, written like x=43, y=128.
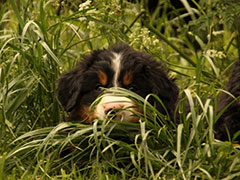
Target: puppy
x=123, y=67
x=120, y=66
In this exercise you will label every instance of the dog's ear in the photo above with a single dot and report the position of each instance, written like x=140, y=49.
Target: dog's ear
x=70, y=84
x=163, y=86
x=69, y=88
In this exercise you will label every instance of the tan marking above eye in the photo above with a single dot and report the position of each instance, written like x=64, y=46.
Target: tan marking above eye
x=102, y=77
x=127, y=78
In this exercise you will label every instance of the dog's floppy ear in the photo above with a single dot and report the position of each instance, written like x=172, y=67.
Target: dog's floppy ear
x=70, y=84
x=69, y=88
x=163, y=86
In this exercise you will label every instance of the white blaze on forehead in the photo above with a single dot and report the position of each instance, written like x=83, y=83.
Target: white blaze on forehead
x=116, y=65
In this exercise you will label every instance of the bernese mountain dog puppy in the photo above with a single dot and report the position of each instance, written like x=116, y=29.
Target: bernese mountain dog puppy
x=123, y=67
x=120, y=66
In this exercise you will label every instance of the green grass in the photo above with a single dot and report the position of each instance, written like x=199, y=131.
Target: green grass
x=37, y=45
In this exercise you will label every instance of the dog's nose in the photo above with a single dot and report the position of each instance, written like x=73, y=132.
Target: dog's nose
x=111, y=107
x=116, y=108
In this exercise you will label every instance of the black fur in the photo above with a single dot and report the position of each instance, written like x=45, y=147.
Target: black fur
x=230, y=119
x=79, y=87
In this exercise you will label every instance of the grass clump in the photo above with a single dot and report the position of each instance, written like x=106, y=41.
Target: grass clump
x=153, y=148
x=198, y=41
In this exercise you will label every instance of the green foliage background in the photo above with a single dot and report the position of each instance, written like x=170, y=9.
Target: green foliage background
x=39, y=40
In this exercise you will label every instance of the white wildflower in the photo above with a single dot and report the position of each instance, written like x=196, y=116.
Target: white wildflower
x=212, y=53
x=82, y=19
x=155, y=42
x=91, y=25
x=221, y=55
x=85, y=5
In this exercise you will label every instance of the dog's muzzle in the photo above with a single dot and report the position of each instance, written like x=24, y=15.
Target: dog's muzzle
x=116, y=108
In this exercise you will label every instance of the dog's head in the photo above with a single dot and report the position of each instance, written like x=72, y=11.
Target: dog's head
x=119, y=66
